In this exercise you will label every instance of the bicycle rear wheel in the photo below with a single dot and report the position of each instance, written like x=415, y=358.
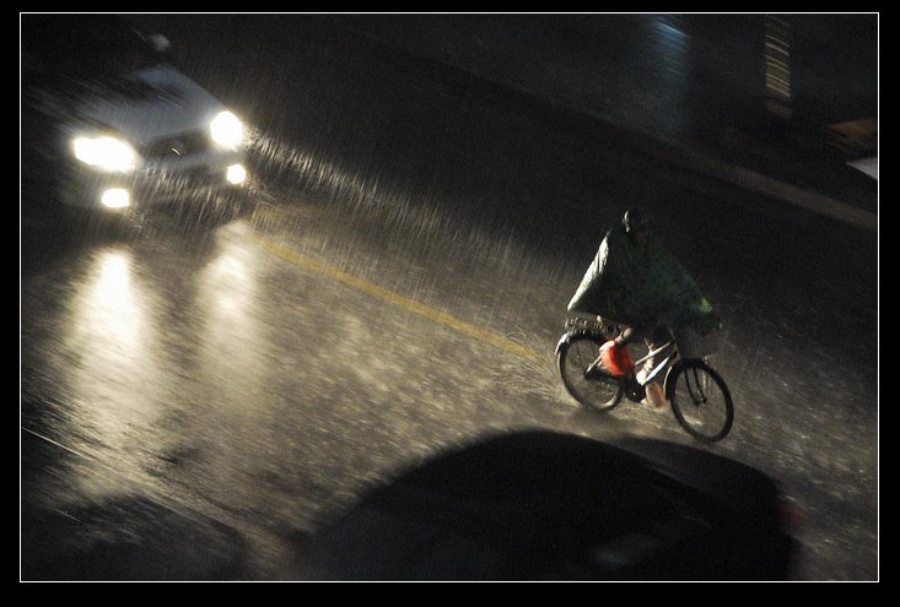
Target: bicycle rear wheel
x=591, y=387
x=700, y=400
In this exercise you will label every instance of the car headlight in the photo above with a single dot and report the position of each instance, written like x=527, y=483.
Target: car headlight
x=106, y=153
x=227, y=130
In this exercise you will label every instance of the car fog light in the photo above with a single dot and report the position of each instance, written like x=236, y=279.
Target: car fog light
x=236, y=174
x=115, y=198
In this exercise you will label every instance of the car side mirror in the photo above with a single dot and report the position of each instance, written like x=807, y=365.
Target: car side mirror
x=159, y=43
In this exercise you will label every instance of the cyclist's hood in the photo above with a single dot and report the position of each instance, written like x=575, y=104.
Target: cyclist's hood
x=635, y=219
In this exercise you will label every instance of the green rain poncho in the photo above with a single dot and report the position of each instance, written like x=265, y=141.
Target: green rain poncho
x=640, y=284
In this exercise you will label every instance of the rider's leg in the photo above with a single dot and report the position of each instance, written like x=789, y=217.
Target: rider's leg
x=653, y=338
x=656, y=338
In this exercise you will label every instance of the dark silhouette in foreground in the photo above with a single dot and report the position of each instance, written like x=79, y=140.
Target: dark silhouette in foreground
x=541, y=505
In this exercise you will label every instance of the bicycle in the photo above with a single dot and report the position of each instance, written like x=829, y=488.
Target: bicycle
x=699, y=397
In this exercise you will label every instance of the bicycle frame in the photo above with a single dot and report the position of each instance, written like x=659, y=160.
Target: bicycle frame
x=670, y=358
x=605, y=327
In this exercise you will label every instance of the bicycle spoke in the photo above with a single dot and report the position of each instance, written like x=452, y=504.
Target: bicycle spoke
x=585, y=381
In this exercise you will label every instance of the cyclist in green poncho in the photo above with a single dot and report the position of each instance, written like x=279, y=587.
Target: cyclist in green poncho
x=634, y=281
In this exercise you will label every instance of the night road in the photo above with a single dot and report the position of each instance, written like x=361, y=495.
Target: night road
x=397, y=287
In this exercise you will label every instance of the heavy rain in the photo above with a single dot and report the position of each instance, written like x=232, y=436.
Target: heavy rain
x=426, y=194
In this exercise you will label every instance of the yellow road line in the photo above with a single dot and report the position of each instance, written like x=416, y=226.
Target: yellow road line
x=398, y=300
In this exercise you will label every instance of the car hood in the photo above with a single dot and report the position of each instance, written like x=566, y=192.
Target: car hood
x=151, y=103
x=542, y=505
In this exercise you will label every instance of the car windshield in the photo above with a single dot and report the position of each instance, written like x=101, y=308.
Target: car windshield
x=85, y=47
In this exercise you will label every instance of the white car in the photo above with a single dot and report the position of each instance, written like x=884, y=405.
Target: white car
x=108, y=124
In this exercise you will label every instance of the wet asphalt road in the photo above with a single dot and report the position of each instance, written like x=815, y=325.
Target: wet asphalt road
x=398, y=288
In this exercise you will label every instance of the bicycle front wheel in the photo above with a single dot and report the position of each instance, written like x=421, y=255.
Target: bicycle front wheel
x=591, y=387
x=700, y=400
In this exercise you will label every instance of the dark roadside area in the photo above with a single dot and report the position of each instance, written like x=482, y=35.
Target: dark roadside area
x=142, y=539
x=732, y=130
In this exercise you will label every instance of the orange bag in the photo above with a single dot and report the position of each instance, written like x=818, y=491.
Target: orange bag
x=615, y=360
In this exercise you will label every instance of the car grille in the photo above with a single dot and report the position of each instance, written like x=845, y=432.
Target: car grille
x=183, y=144
x=179, y=183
